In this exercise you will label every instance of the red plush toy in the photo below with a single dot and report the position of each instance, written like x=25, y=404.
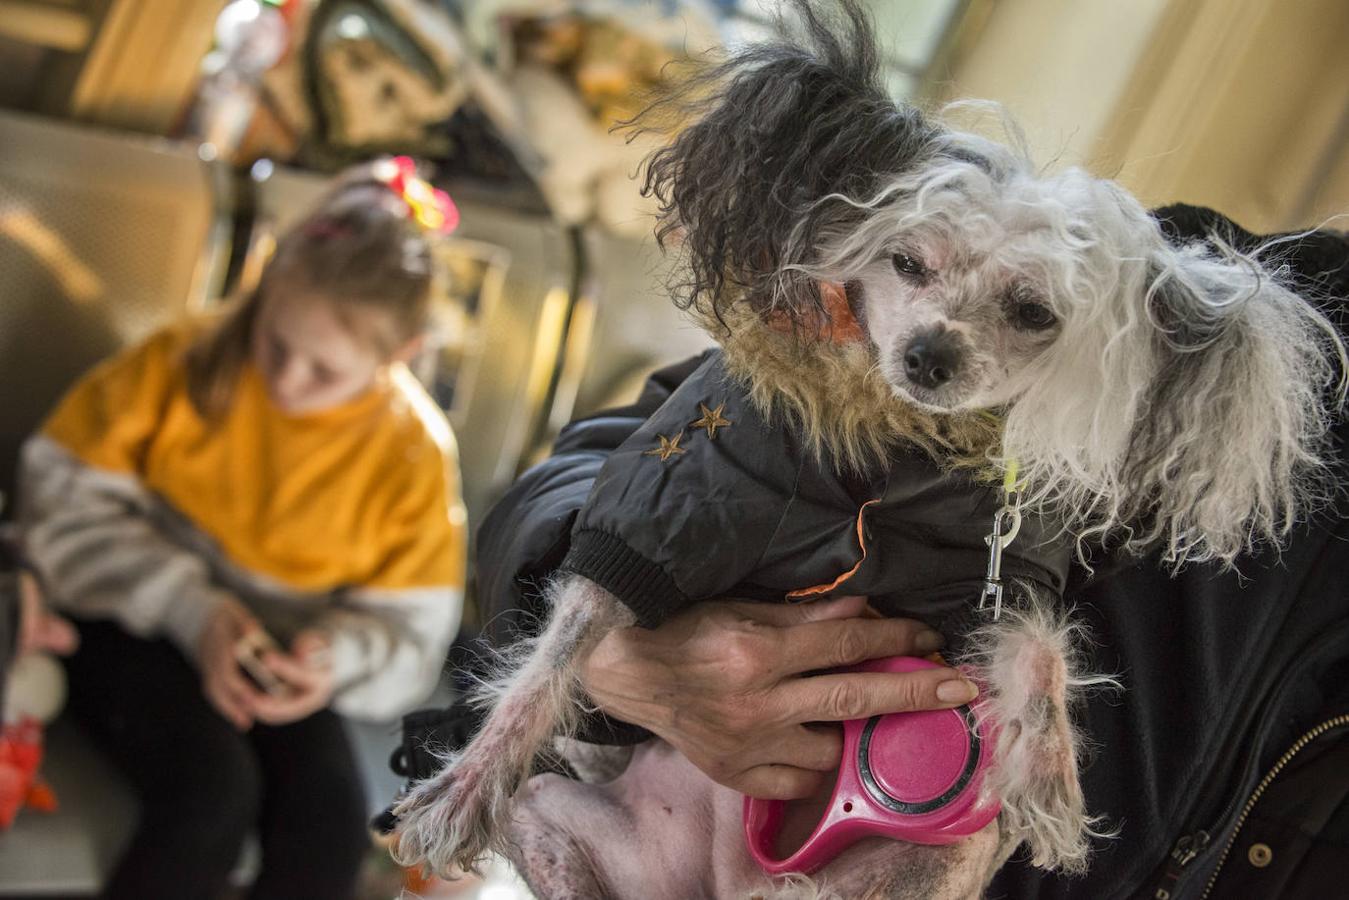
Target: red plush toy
x=20, y=756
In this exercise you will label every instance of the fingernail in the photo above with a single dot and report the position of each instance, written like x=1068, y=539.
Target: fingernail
x=956, y=690
x=928, y=640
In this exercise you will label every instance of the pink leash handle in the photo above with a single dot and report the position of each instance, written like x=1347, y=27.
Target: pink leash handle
x=915, y=777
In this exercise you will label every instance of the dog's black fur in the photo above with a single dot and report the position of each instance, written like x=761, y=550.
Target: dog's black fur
x=779, y=129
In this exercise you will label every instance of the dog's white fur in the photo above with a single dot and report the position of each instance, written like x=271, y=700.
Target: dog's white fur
x=1224, y=458
x=451, y=821
x=1180, y=396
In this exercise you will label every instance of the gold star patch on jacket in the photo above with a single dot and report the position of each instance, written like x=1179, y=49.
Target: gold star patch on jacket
x=711, y=420
x=668, y=447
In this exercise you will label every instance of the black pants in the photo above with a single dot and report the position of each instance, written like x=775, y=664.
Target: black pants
x=204, y=786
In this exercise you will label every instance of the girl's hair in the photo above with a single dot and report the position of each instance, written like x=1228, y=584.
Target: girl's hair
x=361, y=249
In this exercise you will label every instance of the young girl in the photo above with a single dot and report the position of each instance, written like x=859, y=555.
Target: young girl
x=274, y=482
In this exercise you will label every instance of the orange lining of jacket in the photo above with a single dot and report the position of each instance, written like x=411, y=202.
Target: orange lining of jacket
x=825, y=588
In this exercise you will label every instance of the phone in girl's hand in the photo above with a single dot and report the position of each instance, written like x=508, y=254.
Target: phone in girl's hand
x=249, y=652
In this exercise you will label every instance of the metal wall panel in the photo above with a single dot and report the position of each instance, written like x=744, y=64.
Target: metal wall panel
x=102, y=238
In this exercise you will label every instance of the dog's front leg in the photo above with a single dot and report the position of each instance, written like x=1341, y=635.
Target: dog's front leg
x=1032, y=665
x=453, y=819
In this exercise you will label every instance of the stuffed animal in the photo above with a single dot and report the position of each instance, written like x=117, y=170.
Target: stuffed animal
x=34, y=695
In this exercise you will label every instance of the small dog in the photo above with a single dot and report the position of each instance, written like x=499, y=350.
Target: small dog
x=904, y=308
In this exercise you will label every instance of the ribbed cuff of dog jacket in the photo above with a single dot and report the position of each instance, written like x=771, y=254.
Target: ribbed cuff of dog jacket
x=641, y=585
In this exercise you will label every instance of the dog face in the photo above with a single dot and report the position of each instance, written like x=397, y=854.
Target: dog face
x=952, y=323
x=972, y=269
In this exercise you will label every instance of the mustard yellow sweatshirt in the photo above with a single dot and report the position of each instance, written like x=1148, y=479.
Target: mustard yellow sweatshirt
x=349, y=520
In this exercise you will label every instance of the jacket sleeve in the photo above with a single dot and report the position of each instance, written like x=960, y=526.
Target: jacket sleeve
x=705, y=465
x=522, y=542
x=390, y=637
x=86, y=520
x=389, y=647
x=525, y=536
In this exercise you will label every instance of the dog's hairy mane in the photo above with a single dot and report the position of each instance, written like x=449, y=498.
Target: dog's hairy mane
x=770, y=149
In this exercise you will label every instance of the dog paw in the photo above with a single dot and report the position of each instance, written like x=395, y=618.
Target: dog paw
x=451, y=822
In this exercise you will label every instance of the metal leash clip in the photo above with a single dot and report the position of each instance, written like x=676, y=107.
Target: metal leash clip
x=1006, y=524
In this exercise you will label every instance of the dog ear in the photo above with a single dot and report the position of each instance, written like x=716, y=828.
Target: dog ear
x=1228, y=447
x=784, y=132
x=1186, y=406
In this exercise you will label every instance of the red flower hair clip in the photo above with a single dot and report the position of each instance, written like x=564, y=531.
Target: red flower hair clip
x=431, y=207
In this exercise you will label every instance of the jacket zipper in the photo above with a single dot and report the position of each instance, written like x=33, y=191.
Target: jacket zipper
x=1189, y=846
x=1186, y=849
x=1294, y=750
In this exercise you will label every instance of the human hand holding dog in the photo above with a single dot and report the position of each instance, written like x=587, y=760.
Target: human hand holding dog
x=725, y=684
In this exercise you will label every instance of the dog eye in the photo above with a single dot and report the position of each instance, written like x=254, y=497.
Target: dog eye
x=1033, y=316
x=909, y=267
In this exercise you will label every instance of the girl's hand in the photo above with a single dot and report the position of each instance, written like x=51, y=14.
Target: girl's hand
x=222, y=680
x=725, y=684
x=307, y=672
x=39, y=628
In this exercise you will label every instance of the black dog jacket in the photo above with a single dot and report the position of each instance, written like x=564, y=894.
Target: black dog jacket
x=708, y=500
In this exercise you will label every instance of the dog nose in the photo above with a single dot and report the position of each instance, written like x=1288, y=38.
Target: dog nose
x=932, y=358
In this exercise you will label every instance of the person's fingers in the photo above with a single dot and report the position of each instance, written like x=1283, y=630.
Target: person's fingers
x=777, y=782
x=56, y=635
x=30, y=612
x=788, y=614
x=227, y=670
x=247, y=625
x=859, y=695
x=273, y=710
x=244, y=623
x=233, y=682
x=833, y=642
x=815, y=749
x=308, y=641
x=228, y=706
x=291, y=670
x=276, y=710
x=310, y=647
x=242, y=696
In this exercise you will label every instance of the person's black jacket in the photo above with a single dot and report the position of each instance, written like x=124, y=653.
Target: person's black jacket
x=1228, y=676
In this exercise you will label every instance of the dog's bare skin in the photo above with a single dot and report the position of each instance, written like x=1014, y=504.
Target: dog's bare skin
x=451, y=821
x=574, y=840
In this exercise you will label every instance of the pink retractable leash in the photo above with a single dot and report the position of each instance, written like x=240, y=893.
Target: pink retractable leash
x=914, y=777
